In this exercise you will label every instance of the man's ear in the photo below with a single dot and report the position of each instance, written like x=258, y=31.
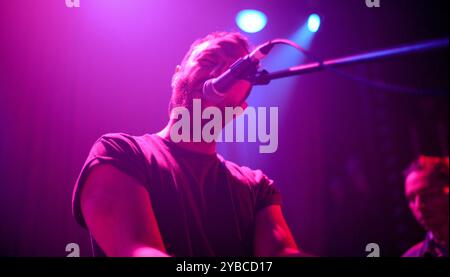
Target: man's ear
x=175, y=75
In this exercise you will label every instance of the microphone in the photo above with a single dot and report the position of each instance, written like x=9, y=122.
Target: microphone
x=214, y=89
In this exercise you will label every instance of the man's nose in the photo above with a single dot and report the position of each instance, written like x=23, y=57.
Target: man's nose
x=419, y=201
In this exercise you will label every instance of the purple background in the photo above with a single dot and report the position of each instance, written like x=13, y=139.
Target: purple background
x=69, y=75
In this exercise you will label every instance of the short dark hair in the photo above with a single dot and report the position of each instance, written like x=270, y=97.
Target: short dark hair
x=181, y=96
x=437, y=167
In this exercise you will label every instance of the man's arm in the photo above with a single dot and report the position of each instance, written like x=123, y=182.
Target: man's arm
x=272, y=235
x=118, y=212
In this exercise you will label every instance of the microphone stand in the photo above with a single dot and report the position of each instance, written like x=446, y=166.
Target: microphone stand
x=264, y=77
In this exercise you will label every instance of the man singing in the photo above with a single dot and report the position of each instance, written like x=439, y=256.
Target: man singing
x=148, y=196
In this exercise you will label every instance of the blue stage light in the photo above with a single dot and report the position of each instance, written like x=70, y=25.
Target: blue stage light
x=314, y=23
x=251, y=21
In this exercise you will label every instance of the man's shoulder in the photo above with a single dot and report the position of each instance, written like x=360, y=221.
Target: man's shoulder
x=123, y=145
x=414, y=251
x=123, y=139
x=254, y=183
x=119, y=137
x=244, y=173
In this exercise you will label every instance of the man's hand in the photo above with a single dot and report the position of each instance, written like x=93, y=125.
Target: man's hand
x=272, y=235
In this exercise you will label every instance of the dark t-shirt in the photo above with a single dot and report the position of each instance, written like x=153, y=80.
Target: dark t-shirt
x=427, y=248
x=204, y=205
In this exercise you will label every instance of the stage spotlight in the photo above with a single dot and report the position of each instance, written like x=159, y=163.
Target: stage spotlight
x=314, y=23
x=251, y=21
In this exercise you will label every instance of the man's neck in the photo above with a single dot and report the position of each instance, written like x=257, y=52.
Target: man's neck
x=199, y=147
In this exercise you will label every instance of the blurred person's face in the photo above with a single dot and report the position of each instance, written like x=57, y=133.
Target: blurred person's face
x=209, y=60
x=428, y=200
